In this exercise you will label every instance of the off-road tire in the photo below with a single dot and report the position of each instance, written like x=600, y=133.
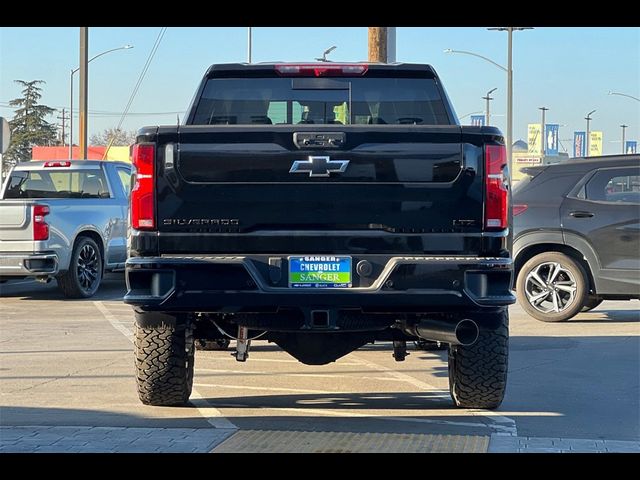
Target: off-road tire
x=478, y=372
x=164, y=358
x=581, y=284
x=69, y=282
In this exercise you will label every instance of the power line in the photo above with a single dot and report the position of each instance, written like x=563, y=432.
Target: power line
x=107, y=113
x=143, y=73
x=152, y=53
x=130, y=114
x=64, y=119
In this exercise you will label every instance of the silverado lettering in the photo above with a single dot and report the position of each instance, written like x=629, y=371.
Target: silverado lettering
x=201, y=221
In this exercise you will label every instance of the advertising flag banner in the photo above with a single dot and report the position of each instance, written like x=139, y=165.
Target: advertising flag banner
x=477, y=120
x=534, y=139
x=551, y=134
x=631, y=146
x=579, y=144
x=595, y=144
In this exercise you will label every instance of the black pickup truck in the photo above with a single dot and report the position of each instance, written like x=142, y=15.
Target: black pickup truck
x=321, y=207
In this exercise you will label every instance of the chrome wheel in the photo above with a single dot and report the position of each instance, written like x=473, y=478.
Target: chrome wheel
x=87, y=268
x=550, y=287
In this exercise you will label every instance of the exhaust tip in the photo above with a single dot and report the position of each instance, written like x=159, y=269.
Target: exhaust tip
x=467, y=332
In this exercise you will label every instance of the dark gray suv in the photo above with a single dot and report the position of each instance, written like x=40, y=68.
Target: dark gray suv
x=577, y=235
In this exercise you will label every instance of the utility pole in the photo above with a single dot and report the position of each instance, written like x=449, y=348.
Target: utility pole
x=542, y=132
x=84, y=90
x=624, y=127
x=488, y=98
x=63, y=118
x=378, y=44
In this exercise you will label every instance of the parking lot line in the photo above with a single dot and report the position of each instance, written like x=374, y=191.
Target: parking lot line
x=349, y=414
x=282, y=360
x=115, y=323
x=501, y=424
x=266, y=389
x=280, y=374
x=212, y=415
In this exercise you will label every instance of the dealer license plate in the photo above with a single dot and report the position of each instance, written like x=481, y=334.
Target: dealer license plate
x=320, y=271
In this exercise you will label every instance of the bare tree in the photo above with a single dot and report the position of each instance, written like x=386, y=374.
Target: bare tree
x=113, y=136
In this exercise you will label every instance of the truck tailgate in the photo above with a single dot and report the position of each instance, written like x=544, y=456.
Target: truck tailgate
x=403, y=189
x=16, y=228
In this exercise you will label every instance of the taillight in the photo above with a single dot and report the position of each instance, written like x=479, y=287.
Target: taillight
x=496, y=210
x=40, y=226
x=58, y=164
x=321, y=69
x=518, y=209
x=143, y=192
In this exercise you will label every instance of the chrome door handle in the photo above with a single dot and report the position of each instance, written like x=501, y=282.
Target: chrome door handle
x=580, y=214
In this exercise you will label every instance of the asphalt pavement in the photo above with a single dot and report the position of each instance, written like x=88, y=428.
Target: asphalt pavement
x=67, y=385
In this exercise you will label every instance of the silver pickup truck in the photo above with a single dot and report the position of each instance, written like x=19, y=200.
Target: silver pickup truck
x=65, y=220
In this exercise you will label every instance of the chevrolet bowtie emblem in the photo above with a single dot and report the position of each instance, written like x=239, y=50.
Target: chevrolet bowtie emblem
x=319, y=166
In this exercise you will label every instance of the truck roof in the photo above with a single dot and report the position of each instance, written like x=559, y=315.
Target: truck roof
x=74, y=164
x=604, y=159
x=420, y=69
x=579, y=164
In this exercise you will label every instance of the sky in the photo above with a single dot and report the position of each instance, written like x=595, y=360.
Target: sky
x=568, y=70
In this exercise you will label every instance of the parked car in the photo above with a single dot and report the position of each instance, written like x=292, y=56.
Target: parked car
x=321, y=207
x=577, y=235
x=65, y=220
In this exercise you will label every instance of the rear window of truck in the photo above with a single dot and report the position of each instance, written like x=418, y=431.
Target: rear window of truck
x=344, y=101
x=57, y=184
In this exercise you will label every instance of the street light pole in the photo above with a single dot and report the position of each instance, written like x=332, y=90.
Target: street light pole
x=509, y=71
x=509, y=31
x=73, y=71
x=588, y=119
x=71, y=114
x=469, y=114
x=84, y=90
x=542, y=132
x=464, y=52
x=488, y=98
x=624, y=95
x=624, y=127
